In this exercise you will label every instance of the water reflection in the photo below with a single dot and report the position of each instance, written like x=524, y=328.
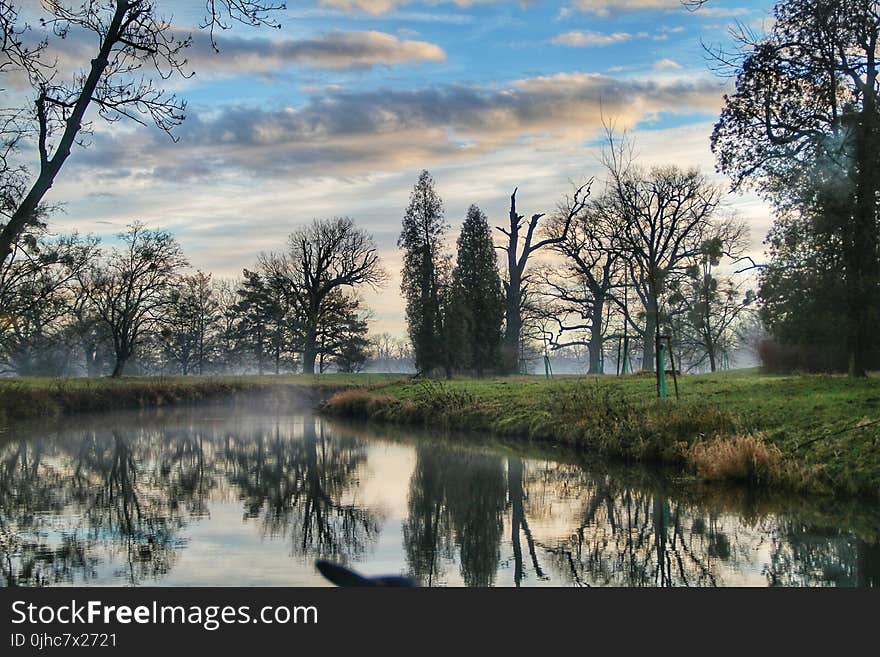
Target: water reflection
x=455, y=507
x=213, y=496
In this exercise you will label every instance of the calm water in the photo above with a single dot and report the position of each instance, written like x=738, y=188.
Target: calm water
x=216, y=496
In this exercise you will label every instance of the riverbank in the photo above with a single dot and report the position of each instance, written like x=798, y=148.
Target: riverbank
x=35, y=397
x=813, y=433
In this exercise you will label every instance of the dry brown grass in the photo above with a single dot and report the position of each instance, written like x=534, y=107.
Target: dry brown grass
x=738, y=458
x=356, y=402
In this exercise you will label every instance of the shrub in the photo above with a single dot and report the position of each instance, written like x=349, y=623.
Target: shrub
x=356, y=403
x=737, y=458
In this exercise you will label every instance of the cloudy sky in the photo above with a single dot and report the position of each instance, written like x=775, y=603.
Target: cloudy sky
x=338, y=111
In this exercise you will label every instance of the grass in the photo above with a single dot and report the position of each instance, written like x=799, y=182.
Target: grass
x=811, y=432
x=29, y=397
x=753, y=504
x=814, y=432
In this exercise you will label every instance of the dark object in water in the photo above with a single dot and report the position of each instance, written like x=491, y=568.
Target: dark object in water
x=342, y=576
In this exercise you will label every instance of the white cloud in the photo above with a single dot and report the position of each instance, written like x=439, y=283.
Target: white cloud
x=335, y=50
x=608, y=7
x=348, y=132
x=582, y=39
x=666, y=64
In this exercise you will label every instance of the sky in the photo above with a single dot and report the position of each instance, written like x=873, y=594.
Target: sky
x=338, y=111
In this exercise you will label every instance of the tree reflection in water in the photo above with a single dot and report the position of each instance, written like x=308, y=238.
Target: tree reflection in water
x=456, y=504
x=637, y=536
x=127, y=494
x=297, y=487
x=118, y=501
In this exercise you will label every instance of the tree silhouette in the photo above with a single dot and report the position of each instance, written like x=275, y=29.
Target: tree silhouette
x=136, y=50
x=803, y=128
x=423, y=279
x=476, y=311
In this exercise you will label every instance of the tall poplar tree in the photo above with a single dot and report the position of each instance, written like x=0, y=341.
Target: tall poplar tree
x=424, y=267
x=478, y=306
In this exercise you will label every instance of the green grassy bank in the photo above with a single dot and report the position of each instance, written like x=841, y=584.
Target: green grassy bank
x=817, y=433
x=25, y=398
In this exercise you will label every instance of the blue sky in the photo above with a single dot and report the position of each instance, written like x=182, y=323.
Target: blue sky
x=338, y=111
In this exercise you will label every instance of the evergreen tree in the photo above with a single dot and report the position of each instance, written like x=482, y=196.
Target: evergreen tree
x=264, y=319
x=342, y=333
x=424, y=266
x=190, y=319
x=478, y=305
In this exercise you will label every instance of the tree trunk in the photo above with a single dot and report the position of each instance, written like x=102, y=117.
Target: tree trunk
x=513, y=324
x=862, y=249
x=118, y=367
x=91, y=357
x=513, y=301
x=49, y=167
x=710, y=343
x=596, y=340
x=648, y=342
x=310, y=351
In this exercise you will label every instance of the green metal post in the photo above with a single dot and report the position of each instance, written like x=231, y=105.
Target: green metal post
x=662, y=372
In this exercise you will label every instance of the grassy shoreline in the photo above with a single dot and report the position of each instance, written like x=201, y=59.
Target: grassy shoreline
x=815, y=433
x=830, y=512
x=35, y=397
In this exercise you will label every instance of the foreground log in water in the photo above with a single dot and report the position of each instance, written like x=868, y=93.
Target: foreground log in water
x=342, y=576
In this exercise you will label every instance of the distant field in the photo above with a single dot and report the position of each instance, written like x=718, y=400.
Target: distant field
x=49, y=383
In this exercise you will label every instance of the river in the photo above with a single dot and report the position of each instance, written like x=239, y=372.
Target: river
x=225, y=496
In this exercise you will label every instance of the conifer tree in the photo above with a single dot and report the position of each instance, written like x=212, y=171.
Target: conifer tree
x=478, y=307
x=424, y=267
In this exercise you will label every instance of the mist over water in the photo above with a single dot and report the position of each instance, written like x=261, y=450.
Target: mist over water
x=224, y=496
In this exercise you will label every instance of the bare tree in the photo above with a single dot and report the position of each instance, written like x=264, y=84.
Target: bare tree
x=582, y=287
x=136, y=49
x=666, y=214
x=130, y=291
x=326, y=256
x=37, y=295
x=712, y=303
x=519, y=249
x=190, y=322
x=225, y=295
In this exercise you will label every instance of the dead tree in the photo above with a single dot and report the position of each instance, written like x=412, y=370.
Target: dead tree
x=519, y=250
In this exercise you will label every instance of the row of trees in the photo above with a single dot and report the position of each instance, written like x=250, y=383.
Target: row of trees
x=72, y=307
x=643, y=260
x=641, y=263
x=638, y=261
